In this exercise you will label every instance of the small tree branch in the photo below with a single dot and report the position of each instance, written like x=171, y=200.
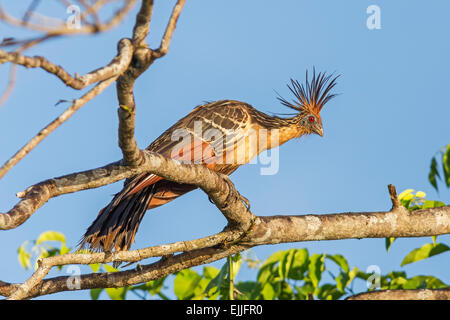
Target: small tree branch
x=77, y=104
x=145, y=273
x=111, y=72
x=45, y=265
x=142, y=59
x=412, y=294
x=165, y=41
x=10, y=86
x=142, y=25
x=394, y=198
x=114, y=68
x=63, y=29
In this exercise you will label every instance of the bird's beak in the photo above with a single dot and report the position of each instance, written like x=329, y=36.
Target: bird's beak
x=319, y=130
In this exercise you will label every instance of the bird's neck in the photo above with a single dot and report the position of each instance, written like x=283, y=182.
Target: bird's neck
x=279, y=130
x=290, y=130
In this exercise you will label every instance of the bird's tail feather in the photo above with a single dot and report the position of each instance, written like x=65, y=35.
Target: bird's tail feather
x=116, y=225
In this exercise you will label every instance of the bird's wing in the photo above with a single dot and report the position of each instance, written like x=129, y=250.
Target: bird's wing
x=211, y=135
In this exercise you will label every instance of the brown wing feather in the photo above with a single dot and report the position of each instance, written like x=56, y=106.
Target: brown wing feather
x=220, y=117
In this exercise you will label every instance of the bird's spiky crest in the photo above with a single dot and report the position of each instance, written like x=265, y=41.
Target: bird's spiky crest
x=312, y=96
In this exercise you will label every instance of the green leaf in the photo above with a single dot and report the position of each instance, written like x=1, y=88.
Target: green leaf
x=51, y=236
x=250, y=290
x=95, y=266
x=217, y=281
x=388, y=243
x=434, y=238
x=352, y=274
x=415, y=283
x=24, y=256
x=267, y=271
x=185, y=283
x=286, y=292
x=340, y=261
x=275, y=257
x=328, y=292
x=210, y=272
x=116, y=293
x=153, y=286
x=432, y=204
x=299, y=264
x=421, y=194
x=406, y=194
x=64, y=249
x=406, y=197
x=236, y=263
x=109, y=268
x=398, y=283
x=433, y=173
x=304, y=292
x=285, y=263
x=95, y=293
x=431, y=282
x=426, y=251
x=316, y=267
x=341, y=281
x=268, y=291
x=446, y=166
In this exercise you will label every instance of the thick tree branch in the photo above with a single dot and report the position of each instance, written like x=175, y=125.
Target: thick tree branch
x=217, y=186
x=412, y=294
x=397, y=222
x=276, y=230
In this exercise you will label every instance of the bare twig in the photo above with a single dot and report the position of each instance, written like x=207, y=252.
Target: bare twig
x=30, y=11
x=10, y=87
x=77, y=104
x=165, y=42
x=394, y=198
x=63, y=29
x=114, y=68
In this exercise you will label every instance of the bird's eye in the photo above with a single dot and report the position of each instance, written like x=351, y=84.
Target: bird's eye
x=311, y=119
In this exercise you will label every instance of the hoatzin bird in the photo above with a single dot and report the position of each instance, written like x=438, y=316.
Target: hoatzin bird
x=116, y=225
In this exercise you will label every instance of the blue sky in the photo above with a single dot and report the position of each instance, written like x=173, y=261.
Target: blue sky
x=389, y=120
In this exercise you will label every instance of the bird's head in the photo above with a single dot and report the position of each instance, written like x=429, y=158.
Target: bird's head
x=309, y=101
